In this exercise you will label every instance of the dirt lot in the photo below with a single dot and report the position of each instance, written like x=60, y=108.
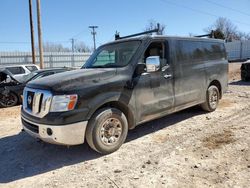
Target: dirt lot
x=187, y=149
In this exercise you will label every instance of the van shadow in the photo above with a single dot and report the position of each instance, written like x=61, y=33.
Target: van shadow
x=22, y=156
x=240, y=83
x=166, y=121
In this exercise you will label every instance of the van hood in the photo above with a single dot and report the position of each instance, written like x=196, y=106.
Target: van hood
x=69, y=81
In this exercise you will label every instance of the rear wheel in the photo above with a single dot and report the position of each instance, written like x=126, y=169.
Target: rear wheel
x=244, y=75
x=107, y=130
x=8, y=100
x=212, y=99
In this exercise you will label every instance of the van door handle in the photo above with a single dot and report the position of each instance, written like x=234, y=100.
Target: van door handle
x=167, y=76
x=164, y=68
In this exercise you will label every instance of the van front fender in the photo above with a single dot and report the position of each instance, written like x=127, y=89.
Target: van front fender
x=122, y=100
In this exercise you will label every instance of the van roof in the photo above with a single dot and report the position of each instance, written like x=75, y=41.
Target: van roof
x=145, y=37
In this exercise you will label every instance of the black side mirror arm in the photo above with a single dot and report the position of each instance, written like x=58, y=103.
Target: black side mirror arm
x=140, y=68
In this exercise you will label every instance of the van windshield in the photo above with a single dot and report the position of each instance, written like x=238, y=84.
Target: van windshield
x=29, y=76
x=113, y=55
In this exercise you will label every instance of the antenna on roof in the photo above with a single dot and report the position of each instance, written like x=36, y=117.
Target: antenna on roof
x=157, y=31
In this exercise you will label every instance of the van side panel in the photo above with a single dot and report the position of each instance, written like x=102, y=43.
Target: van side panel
x=216, y=64
x=189, y=74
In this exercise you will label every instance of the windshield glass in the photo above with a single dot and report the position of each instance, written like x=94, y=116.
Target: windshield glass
x=113, y=55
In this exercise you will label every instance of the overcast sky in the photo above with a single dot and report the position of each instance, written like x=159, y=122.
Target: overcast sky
x=64, y=19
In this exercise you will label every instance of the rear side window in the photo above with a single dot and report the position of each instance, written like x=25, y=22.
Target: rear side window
x=191, y=51
x=213, y=50
x=16, y=70
x=188, y=51
x=31, y=68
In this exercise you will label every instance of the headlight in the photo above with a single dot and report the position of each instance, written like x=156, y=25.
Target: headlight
x=62, y=103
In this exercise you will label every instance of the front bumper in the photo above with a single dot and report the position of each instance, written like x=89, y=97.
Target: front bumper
x=70, y=134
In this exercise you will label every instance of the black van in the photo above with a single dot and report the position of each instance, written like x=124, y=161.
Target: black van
x=123, y=84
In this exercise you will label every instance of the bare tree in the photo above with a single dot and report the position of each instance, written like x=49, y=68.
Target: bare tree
x=57, y=47
x=244, y=36
x=228, y=29
x=152, y=24
x=82, y=47
x=54, y=47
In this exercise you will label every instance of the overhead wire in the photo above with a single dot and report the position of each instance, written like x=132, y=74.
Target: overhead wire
x=76, y=35
x=5, y=42
x=200, y=11
x=227, y=7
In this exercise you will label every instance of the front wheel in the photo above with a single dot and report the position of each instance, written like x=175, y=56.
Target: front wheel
x=8, y=100
x=107, y=130
x=212, y=99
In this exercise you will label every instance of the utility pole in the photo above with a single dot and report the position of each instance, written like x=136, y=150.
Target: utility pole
x=72, y=44
x=93, y=27
x=32, y=34
x=73, y=50
x=39, y=25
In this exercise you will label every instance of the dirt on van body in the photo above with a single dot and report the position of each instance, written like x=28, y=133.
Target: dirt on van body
x=187, y=149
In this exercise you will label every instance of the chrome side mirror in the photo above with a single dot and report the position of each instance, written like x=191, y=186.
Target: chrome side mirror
x=153, y=63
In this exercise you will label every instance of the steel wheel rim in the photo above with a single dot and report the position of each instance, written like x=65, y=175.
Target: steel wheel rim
x=214, y=99
x=111, y=131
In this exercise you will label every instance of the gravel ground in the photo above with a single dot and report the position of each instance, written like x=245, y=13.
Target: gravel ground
x=186, y=149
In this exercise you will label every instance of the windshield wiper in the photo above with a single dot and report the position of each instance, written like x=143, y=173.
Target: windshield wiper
x=99, y=66
x=104, y=66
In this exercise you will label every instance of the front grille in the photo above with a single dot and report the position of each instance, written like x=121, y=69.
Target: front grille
x=30, y=96
x=30, y=126
x=36, y=102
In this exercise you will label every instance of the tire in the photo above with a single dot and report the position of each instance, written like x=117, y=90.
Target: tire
x=212, y=99
x=107, y=130
x=8, y=100
x=243, y=75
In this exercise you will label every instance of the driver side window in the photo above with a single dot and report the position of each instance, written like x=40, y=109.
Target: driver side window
x=156, y=50
x=154, y=58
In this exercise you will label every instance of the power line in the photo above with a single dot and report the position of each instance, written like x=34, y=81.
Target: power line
x=199, y=11
x=111, y=38
x=14, y=42
x=76, y=35
x=226, y=7
x=73, y=39
x=57, y=42
x=4, y=42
